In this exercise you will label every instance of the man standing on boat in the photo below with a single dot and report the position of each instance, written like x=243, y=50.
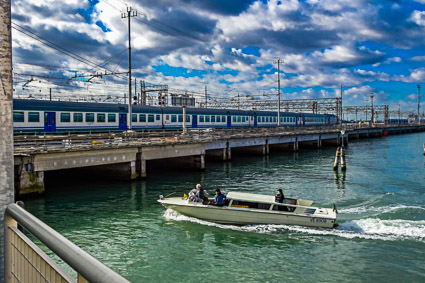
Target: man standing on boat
x=279, y=197
x=219, y=198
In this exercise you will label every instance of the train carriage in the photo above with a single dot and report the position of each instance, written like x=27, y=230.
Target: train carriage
x=41, y=116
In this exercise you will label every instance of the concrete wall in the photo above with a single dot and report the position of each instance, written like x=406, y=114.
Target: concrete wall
x=6, y=130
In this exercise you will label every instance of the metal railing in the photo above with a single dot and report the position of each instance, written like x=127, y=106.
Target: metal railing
x=25, y=262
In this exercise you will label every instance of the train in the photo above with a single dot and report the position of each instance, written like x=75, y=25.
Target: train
x=49, y=117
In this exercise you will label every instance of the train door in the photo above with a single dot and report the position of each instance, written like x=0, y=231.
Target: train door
x=50, y=122
x=255, y=120
x=229, y=122
x=123, y=122
x=194, y=121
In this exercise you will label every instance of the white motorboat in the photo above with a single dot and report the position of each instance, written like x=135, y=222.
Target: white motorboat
x=249, y=209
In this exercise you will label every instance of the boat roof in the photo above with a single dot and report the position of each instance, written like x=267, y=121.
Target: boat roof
x=250, y=197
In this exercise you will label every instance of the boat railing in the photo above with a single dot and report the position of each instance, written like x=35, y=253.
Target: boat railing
x=26, y=262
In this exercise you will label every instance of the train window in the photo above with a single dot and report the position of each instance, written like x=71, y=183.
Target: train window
x=167, y=117
x=101, y=118
x=78, y=117
x=213, y=119
x=243, y=119
x=18, y=116
x=65, y=117
x=142, y=118
x=151, y=118
x=180, y=118
x=173, y=118
x=201, y=119
x=112, y=118
x=223, y=118
x=33, y=117
x=218, y=119
x=133, y=117
x=239, y=119
x=188, y=118
x=207, y=119
x=89, y=117
x=158, y=117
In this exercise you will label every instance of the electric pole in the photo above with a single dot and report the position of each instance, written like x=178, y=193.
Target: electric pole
x=371, y=102
x=206, y=97
x=278, y=61
x=130, y=13
x=341, y=104
x=399, y=114
x=419, y=103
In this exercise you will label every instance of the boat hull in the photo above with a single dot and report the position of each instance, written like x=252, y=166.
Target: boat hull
x=243, y=216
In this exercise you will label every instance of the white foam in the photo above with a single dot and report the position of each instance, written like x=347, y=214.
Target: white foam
x=382, y=209
x=369, y=228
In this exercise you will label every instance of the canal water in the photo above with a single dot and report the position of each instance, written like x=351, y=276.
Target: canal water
x=380, y=199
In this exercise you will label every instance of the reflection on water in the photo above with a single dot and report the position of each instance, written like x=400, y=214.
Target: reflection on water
x=381, y=215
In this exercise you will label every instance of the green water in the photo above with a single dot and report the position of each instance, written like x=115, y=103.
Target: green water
x=381, y=203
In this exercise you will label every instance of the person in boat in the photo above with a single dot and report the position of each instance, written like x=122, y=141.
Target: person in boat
x=219, y=198
x=279, y=197
x=200, y=194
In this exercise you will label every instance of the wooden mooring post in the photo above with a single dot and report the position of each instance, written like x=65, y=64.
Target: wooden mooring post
x=338, y=150
x=340, y=155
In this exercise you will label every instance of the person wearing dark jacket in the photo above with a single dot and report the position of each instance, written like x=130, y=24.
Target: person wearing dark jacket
x=279, y=197
x=219, y=198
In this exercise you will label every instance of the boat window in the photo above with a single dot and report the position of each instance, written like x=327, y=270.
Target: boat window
x=111, y=118
x=18, y=116
x=65, y=117
x=78, y=117
x=101, y=118
x=89, y=117
x=247, y=204
x=33, y=117
x=151, y=118
x=133, y=118
x=142, y=118
x=281, y=207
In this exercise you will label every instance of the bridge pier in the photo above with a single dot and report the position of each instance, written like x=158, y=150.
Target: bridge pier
x=199, y=161
x=217, y=154
x=27, y=181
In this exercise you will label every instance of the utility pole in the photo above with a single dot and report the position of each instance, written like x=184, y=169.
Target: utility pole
x=371, y=102
x=206, y=97
x=135, y=90
x=130, y=13
x=341, y=105
x=278, y=61
x=50, y=93
x=399, y=114
x=419, y=102
x=7, y=190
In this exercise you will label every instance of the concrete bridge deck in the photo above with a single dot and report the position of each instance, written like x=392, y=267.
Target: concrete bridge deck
x=126, y=155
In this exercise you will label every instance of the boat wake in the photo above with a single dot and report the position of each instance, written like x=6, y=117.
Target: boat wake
x=378, y=210
x=368, y=228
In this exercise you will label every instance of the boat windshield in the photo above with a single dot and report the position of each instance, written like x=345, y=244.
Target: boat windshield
x=248, y=204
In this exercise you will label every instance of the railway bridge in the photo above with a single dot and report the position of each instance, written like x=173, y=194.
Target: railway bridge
x=128, y=155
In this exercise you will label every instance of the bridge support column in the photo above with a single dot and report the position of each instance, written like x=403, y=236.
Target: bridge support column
x=199, y=161
x=28, y=182
x=296, y=144
x=143, y=168
x=319, y=142
x=133, y=170
x=229, y=153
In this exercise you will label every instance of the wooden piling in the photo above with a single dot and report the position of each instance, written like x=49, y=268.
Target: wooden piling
x=343, y=167
x=424, y=148
x=337, y=158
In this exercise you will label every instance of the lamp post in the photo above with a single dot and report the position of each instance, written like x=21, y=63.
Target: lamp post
x=419, y=102
x=278, y=61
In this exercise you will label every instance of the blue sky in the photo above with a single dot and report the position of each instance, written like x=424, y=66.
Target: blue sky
x=230, y=46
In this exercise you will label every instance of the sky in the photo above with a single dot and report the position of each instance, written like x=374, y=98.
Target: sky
x=231, y=47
